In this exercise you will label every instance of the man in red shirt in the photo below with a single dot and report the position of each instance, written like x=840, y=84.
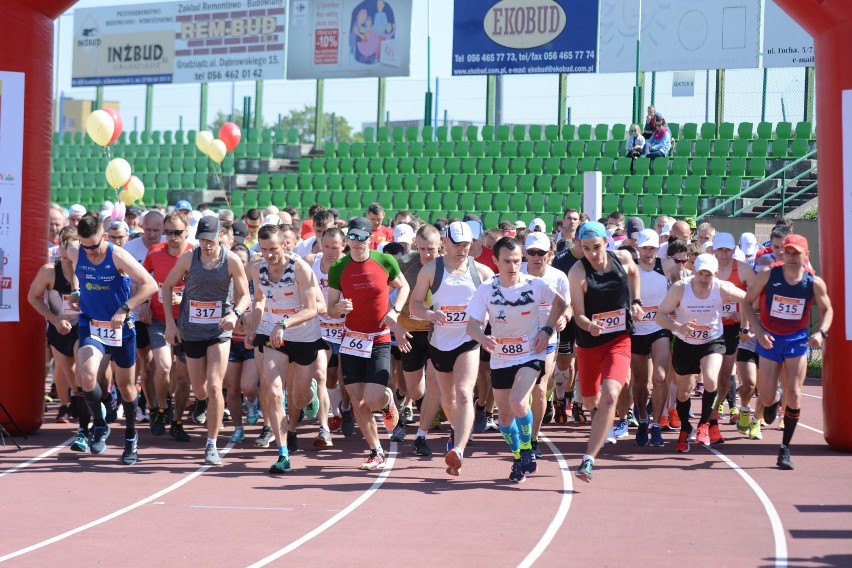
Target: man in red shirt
x=381, y=233
x=160, y=260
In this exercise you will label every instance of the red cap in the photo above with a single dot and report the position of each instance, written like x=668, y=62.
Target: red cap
x=797, y=242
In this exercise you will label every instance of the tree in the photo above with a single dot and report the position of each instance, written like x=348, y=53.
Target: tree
x=303, y=122
x=222, y=118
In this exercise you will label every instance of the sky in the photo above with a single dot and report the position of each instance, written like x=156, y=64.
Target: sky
x=528, y=99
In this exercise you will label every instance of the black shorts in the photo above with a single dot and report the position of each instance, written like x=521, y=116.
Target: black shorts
x=566, y=338
x=731, y=333
x=302, y=353
x=198, y=349
x=445, y=361
x=142, y=339
x=239, y=352
x=396, y=353
x=375, y=370
x=686, y=358
x=505, y=378
x=641, y=344
x=747, y=356
x=62, y=343
x=415, y=360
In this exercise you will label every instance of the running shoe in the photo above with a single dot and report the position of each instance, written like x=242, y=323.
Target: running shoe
x=631, y=418
x=398, y=434
x=199, y=412
x=53, y=393
x=454, y=460
x=642, y=434
x=177, y=432
x=781, y=423
x=716, y=437
x=211, y=456
x=769, y=413
x=479, y=419
x=584, y=472
x=657, y=436
x=578, y=414
x=374, y=461
x=560, y=413
x=735, y=415
x=528, y=464
x=621, y=429
x=158, y=423
x=407, y=415
x=517, y=473
x=130, y=455
x=548, y=413
x=292, y=442
x=280, y=466
x=664, y=423
x=451, y=441
x=699, y=389
x=62, y=415
x=313, y=407
x=390, y=415
x=347, y=424
x=754, y=432
x=80, y=443
x=682, y=445
x=491, y=424
x=226, y=415
x=784, y=461
x=252, y=415
x=141, y=415
x=693, y=435
x=266, y=437
x=421, y=448
x=323, y=439
x=110, y=409
x=703, y=435
x=536, y=449
x=743, y=421
x=674, y=419
x=334, y=423
x=610, y=437
x=238, y=437
x=99, y=438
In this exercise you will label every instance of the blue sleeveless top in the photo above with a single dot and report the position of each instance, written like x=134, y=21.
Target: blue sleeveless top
x=102, y=287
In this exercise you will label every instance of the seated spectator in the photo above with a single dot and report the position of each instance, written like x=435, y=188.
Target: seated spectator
x=659, y=144
x=635, y=143
x=650, y=122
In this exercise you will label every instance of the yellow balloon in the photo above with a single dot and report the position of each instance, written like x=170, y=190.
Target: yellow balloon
x=100, y=127
x=126, y=197
x=118, y=172
x=203, y=140
x=136, y=188
x=217, y=151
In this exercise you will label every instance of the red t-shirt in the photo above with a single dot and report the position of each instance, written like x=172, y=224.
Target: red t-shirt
x=381, y=235
x=307, y=229
x=487, y=258
x=159, y=263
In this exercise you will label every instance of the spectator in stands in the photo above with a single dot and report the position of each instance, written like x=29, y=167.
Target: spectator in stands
x=650, y=122
x=634, y=145
x=381, y=233
x=659, y=144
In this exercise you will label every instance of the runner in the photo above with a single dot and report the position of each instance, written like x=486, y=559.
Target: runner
x=359, y=289
x=786, y=292
x=698, y=302
x=517, y=345
x=206, y=319
x=452, y=281
x=605, y=288
x=106, y=326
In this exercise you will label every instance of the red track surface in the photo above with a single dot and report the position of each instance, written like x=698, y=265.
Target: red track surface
x=648, y=506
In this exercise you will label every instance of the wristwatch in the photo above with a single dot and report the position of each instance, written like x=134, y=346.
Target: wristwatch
x=125, y=307
x=282, y=323
x=824, y=334
x=393, y=308
x=548, y=330
x=636, y=302
x=238, y=313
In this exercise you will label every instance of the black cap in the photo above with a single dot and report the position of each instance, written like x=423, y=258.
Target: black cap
x=634, y=226
x=360, y=226
x=133, y=210
x=471, y=217
x=208, y=228
x=240, y=231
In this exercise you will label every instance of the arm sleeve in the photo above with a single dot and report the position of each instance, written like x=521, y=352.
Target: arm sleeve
x=387, y=262
x=335, y=272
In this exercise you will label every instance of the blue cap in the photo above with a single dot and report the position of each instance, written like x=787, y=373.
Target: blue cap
x=183, y=204
x=591, y=230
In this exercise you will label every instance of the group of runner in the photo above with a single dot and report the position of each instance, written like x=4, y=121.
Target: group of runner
x=293, y=324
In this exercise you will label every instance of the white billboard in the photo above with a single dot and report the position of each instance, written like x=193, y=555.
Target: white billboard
x=339, y=39
x=11, y=188
x=785, y=43
x=679, y=36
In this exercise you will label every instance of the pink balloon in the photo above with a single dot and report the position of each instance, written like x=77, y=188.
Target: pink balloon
x=231, y=135
x=118, y=211
x=116, y=118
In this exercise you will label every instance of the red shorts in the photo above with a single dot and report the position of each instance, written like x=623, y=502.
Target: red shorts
x=608, y=361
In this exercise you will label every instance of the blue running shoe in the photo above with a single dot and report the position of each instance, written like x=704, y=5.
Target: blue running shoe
x=451, y=441
x=130, y=456
x=528, y=463
x=252, y=415
x=642, y=434
x=585, y=471
x=657, y=436
x=621, y=430
x=517, y=474
x=312, y=408
x=99, y=438
x=80, y=443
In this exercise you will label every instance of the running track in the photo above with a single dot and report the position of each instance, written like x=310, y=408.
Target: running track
x=648, y=506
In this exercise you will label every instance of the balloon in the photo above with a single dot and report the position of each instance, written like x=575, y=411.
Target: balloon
x=217, y=151
x=118, y=172
x=230, y=134
x=135, y=187
x=118, y=211
x=125, y=197
x=100, y=126
x=203, y=140
x=116, y=119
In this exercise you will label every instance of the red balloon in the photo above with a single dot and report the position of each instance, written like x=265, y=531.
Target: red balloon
x=116, y=118
x=230, y=134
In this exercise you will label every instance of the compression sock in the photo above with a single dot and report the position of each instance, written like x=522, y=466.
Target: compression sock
x=129, y=418
x=93, y=401
x=683, y=414
x=525, y=430
x=512, y=437
x=282, y=450
x=560, y=381
x=708, y=401
x=83, y=413
x=732, y=393
x=791, y=419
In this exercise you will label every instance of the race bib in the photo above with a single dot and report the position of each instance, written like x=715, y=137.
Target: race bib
x=611, y=322
x=177, y=294
x=456, y=315
x=650, y=313
x=511, y=348
x=284, y=313
x=205, y=312
x=332, y=332
x=699, y=333
x=730, y=309
x=66, y=305
x=357, y=344
x=102, y=332
x=787, y=308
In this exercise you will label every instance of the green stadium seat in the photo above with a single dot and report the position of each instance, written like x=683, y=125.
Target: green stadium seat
x=494, y=149
x=452, y=166
x=568, y=131
x=698, y=166
x=315, y=165
x=642, y=166
x=757, y=167
x=586, y=165
x=554, y=203
x=427, y=182
x=759, y=148
x=649, y=204
x=381, y=134
x=519, y=132
x=544, y=183
x=551, y=132
x=537, y=203
x=485, y=166
x=739, y=147
x=535, y=166
x=475, y=183
x=601, y=132
x=584, y=132
x=622, y=166
x=559, y=148
x=344, y=150
x=594, y=148
x=610, y=203
x=386, y=149
x=577, y=183
x=630, y=204
x=702, y=147
x=577, y=149
x=417, y=201
x=689, y=206
x=450, y=201
x=458, y=183
x=468, y=166
x=503, y=133
x=660, y=166
x=334, y=182
x=668, y=205
x=551, y=166
x=477, y=149
x=518, y=166
x=510, y=149
x=401, y=149
x=487, y=133
x=726, y=130
x=409, y=182
x=674, y=184
x=388, y=165
x=427, y=134
x=573, y=201
x=689, y=131
x=291, y=182
x=764, y=130
x=805, y=130
x=733, y=185
x=562, y=183
x=615, y=184
x=356, y=149
x=446, y=149
x=501, y=166
x=491, y=219
x=800, y=147
x=635, y=185
x=605, y=165
x=500, y=202
x=712, y=186
x=619, y=132
x=518, y=202
x=347, y=165
x=721, y=147
x=400, y=201
x=318, y=182
x=362, y=165
x=683, y=148
x=708, y=131
x=784, y=130
x=395, y=182
x=674, y=128
x=692, y=185
x=483, y=202
x=737, y=166
x=654, y=185
x=535, y=132
x=442, y=182
x=509, y=184
x=542, y=148
x=718, y=166
x=526, y=183
x=745, y=131
x=472, y=133
x=412, y=134
x=364, y=183
x=780, y=148
x=456, y=133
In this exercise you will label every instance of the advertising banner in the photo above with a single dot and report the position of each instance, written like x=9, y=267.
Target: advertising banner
x=11, y=183
x=179, y=42
x=524, y=37
x=785, y=43
x=339, y=39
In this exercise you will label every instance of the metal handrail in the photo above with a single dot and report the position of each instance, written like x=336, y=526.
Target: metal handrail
x=749, y=189
x=791, y=197
x=781, y=189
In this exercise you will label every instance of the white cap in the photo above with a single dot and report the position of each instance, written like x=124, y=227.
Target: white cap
x=748, y=242
x=538, y=224
x=403, y=233
x=459, y=232
x=107, y=206
x=271, y=220
x=209, y=213
x=77, y=210
x=706, y=262
x=667, y=229
x=519, y=224
x=724, y=241
x=648, y=238
x=475, y=229
x=537, y=240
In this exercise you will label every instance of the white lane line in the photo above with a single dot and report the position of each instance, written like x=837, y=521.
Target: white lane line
x=336, y=518
x=561, y=512
x=774, y=518
x=812, y=395
x=38, y=458
x=115, y=514
x=811, y=428
x=232, y=508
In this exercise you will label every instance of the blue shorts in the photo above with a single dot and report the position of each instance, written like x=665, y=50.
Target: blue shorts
x=124, y=356
x=239, y=353
x=785, y=347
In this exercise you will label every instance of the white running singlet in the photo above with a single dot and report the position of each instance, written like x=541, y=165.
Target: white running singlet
x=707, y=313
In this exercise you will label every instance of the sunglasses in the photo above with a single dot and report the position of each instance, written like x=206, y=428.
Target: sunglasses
x=91, y=247
x=358, y=238
x=537, y=252
x=173, y=232
x=680, y=260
